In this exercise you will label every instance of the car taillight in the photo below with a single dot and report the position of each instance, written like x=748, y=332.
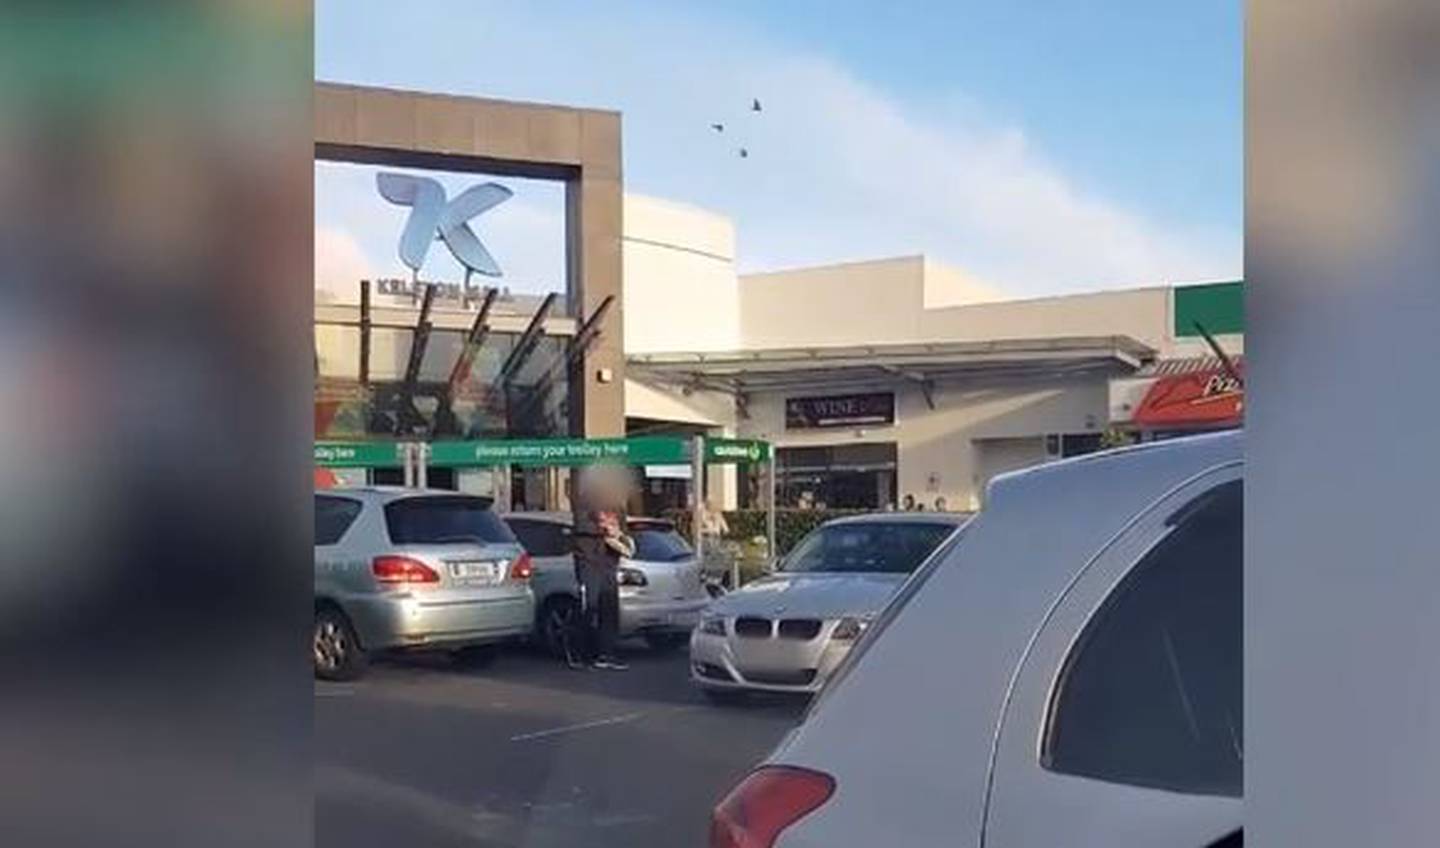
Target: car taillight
x=399, y=569
x=767, y=801
x=522, y=568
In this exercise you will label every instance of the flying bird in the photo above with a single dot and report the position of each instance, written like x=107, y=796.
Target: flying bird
x=718, y=127
x=744, y=154
x=755, y=105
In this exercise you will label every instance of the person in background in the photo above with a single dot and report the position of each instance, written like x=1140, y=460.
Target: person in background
x=600, y=541
x=713, y=526
x=908, y=503
x=713, y=530
x=940, y=505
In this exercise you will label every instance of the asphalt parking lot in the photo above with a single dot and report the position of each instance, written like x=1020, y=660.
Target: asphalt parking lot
x=528, y=752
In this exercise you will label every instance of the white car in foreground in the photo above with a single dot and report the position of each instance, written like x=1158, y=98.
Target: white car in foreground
x=1066, y=671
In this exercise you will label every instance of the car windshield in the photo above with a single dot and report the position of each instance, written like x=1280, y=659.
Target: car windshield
x=441, y=519
x=656, y=545
x=886, y=547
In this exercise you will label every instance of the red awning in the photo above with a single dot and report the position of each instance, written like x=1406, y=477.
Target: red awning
x=1200, y=398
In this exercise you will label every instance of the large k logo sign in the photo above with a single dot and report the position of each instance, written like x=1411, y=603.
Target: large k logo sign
x=431, y=217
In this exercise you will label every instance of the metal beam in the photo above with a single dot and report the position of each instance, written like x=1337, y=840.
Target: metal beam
x=926, y=384
x=421, y=339
x=585, y=336
x=364, y=332
x=407, y=416
x=473, y=341
x=589, y=331
x=527, y=341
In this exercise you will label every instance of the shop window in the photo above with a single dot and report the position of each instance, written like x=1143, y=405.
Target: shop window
x=1079, y=444
x=850, y=476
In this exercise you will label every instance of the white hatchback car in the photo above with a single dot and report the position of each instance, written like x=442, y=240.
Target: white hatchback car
x=1067, y=670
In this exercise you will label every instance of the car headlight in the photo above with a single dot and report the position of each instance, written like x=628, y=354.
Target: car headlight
x=632, y=577
x=713, y=625
x=849, y=629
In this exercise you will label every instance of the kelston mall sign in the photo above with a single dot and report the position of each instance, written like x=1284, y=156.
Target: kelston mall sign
x=462, y=293
x=434, y=217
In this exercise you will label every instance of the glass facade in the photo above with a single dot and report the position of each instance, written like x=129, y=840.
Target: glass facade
x=850, y=476
x=363, y=233
x=533, y=402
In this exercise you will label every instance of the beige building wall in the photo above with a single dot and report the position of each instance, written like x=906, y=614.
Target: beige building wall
x=681, y=290
x=912, y=299
x=684, y=296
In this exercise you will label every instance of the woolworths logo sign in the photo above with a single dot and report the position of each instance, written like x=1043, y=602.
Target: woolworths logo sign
x=735, y=450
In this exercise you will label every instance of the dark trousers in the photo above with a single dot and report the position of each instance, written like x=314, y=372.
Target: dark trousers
x=602, y=609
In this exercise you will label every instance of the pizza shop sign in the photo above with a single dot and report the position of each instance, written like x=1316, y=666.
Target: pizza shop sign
x=1203, y=398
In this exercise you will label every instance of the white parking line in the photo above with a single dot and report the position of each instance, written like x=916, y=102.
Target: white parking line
x=555, y=731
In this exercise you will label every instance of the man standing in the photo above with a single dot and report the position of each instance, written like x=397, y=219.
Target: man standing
x=600, y=541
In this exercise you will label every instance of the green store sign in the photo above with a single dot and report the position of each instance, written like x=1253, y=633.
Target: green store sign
x=645, y=450
x=733, y=451
x=357, y=455
x=1218, y=307
x=640, y=450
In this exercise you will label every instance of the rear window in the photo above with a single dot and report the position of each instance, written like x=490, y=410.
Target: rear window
x=873, y=546
x=333, y=516
x=541, y=538
x=441, y=519
x=656, y=545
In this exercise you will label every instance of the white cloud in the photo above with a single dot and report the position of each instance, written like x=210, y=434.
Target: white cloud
x=838, y=169
x=339, y=265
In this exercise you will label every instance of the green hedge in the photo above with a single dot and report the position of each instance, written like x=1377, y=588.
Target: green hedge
x=791, y=525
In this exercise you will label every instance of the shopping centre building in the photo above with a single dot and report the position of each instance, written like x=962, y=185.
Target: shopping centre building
x=875, y=380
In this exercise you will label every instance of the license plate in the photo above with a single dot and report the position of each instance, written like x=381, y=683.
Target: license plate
x=475, y=572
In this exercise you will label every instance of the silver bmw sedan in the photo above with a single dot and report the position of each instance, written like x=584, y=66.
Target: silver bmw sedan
x=787, y=632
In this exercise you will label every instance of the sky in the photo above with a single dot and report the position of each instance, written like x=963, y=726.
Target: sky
x=1045, y=147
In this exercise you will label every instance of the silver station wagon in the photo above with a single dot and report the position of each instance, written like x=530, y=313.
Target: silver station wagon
x=661, y=591
x=399, y=569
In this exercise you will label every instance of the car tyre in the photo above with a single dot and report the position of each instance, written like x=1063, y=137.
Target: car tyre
x=666, y=642
x=558, y=620
x=338, y=654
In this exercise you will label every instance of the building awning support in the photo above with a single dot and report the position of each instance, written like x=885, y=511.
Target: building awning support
x=528, y=340
x=927, y=386
x=924, y=364
x=585, y=336
x=364, y=332
x=474, y=340
x=407, y=416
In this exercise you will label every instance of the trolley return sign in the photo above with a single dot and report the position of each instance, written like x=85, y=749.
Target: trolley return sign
x=640, y=450
x=358, y=455
x=648, y=450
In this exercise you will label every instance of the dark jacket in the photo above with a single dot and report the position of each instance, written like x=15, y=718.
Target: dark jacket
x=588, y=539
